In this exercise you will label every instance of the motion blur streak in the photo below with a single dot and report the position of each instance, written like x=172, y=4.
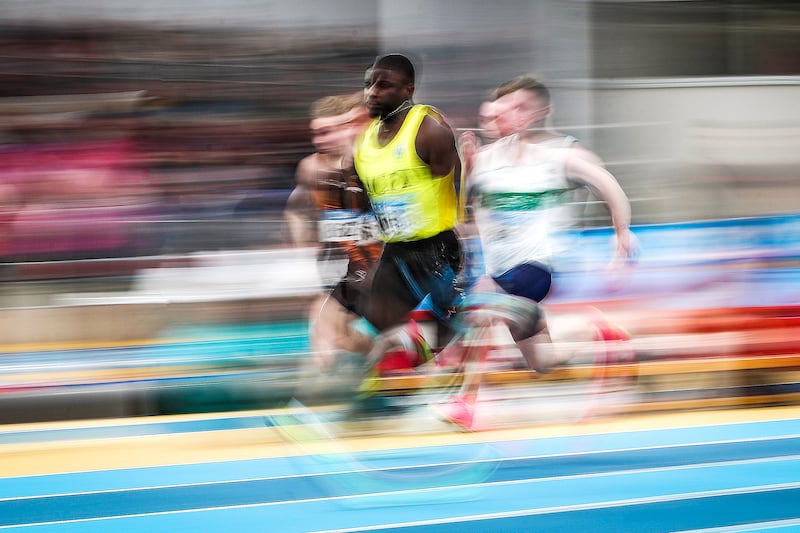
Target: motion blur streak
x=147, y=151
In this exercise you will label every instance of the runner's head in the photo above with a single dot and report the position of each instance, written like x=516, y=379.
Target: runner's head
x=521, y=104
x=390, y=85
x=487, y=121
x=332, y=121
x=357, y=118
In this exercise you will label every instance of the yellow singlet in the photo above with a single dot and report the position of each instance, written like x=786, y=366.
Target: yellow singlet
x=409, y=202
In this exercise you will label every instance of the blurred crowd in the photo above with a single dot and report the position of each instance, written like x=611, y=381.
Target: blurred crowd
x=123, y=141
x=134, y=139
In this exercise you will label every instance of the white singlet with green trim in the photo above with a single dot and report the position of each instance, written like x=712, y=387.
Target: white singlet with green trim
x=522, y=197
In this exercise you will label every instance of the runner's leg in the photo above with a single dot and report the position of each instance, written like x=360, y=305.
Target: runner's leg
x=331, y=333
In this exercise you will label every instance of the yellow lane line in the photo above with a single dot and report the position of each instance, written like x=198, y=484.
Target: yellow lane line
x=649, y=368
x=193, y=448
x=87, y=345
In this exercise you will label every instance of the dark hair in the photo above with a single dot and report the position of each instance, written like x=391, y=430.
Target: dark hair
x=523, y=83
x=397, y=63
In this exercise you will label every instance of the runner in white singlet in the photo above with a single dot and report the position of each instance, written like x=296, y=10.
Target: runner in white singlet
x=522, y=189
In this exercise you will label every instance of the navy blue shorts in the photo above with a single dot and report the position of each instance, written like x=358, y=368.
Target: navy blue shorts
x=529, y=280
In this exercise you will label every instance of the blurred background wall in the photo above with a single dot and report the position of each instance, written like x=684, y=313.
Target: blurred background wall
x=691, y=103
x=174, y=126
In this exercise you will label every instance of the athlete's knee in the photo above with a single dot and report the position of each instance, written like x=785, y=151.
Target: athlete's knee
x=528, y=327
x=538, y=355
x=523, y=316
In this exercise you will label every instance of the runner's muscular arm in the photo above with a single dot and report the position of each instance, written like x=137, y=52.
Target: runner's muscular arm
x=585, y=168
x=299, y=210
x=436, y=146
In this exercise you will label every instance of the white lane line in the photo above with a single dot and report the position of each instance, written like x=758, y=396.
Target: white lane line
x=571, y=508
x=469, y=518
x=357, y=467
x=395, y=493
x=753, y=526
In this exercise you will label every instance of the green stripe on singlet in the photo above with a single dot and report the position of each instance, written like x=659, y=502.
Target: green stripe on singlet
x=522, y=201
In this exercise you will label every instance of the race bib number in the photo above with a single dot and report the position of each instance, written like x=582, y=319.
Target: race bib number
x=370, y=231
x=340, y=225
x=396, y=218
x=345, y=225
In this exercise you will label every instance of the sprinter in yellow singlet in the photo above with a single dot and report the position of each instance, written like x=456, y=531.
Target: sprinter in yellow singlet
x=406, y=160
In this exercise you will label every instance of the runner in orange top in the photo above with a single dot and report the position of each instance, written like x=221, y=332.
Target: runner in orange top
x=328, y=209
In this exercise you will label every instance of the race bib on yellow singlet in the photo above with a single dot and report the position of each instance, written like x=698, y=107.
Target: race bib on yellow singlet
x=399, y=216
x=370, y=231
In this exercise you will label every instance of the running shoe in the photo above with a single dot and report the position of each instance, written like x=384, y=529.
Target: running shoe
x=616, y=341
x=420, y=346
x=412, y=351
x=370, y=385
x=455, y=411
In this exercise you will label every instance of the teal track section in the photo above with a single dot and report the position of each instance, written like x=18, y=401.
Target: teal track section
x=223, y=345
x=275, y=338
x=197, y=368
x=252, y=366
